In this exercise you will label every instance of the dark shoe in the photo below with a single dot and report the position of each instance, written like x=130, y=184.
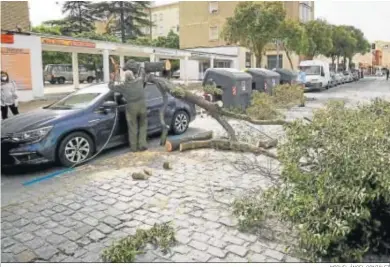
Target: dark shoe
x=143, y=148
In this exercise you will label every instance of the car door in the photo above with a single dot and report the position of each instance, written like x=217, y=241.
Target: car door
x=154, y=102
x=102, y=123
x=68, y=72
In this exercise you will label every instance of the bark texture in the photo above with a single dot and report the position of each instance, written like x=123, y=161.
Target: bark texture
x=173, y=145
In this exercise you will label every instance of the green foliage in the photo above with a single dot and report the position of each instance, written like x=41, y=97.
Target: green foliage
x=211, y=89
x=254, y=25
x=319, y=34
x=287, y=96
x=336, y=183
x=262, y=107
x=128, y=248
x=46, y=29
x=97, y=37
x=293, y=37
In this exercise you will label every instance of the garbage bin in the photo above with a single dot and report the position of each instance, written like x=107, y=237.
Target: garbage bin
x=264, y=80
x=236, y=86
x=287, y=76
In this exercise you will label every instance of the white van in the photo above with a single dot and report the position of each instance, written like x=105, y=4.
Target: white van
x=317, y=74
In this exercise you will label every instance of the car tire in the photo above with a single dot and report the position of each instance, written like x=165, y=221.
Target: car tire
x=61, y=80
x=180, y=122
x=69, y=143
x=90, y=79
x=81, y=81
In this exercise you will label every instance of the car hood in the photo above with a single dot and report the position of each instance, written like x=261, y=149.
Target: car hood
x=33, y=120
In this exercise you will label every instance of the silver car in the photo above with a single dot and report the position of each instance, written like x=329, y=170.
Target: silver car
x=61, y=73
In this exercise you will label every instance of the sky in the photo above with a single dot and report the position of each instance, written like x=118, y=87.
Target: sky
x=372, y=17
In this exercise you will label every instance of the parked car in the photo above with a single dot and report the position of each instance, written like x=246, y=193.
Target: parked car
x=176, y=74
x=317, y=74
x=344, y=78
x=355, y=75
x=348, y=75
x=339, y=78
x=61, y=73
x=75, y=127
x=333, y=79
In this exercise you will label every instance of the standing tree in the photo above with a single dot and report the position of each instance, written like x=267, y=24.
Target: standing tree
x=130, y=16
x=319, y=34
x=78, y=18
x=362, y=45
x=254, y=25
x=340, y=38
x=293, y=37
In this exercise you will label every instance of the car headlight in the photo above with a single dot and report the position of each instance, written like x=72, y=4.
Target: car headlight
x=32, y=136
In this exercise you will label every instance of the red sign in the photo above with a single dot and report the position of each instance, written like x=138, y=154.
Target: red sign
x=63, y=42
x=234, y=90
x=7, y=38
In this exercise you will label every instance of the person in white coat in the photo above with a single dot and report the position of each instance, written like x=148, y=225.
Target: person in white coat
x=8, y=96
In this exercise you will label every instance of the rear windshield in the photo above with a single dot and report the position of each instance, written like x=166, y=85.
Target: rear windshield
x=75, y=101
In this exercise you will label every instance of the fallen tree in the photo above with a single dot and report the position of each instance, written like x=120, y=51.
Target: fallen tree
x=174, y=144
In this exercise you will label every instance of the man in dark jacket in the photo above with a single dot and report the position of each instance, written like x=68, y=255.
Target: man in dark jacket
x=132, y=89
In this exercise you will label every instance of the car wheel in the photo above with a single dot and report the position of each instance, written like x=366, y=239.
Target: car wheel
x=90, y=79
x=180, y=122
x=75, y=148
x=81, y=81
x=61, y=80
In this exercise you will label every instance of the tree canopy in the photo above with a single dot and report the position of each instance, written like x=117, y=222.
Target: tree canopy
x=254, y=25
x=319, y=35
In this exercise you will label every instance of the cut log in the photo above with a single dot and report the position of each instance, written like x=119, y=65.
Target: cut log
x=220, y=144
x=268, y=144
x=138, y=176
x=173, y=145
x=167, y=165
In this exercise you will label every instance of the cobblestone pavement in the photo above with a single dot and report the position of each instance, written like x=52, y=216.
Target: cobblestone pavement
x=74, y=217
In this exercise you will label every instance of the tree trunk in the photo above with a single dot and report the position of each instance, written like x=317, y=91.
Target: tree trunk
x=122, y=22
x=258, y=60
x=220, y=144
x=288, y=57
x=80, y=20
x=172, y=145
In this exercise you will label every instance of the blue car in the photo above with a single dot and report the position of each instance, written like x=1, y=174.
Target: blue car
x=75, y=127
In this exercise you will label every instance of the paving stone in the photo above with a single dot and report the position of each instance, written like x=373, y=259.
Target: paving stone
x=47, y=213
x=238, y=250
x=247, y=237
x=91, y=257
x=72, y=235
x=58, y=258
x=232, y=239
x=104, y=228
x=15, y=248
x=58, y=217
x=25, y=256
x=109, y=201
x=75, y=206
x=68, y=248
x=60, y=230
x=215, y=260
x=126, y=193
x=257, y=247
x=49, y=225
x=214, y=251
x=35, y=243
x=40, y=220
x=83, y=241
x=78, y=216
x=6, y=225
x=113, y=212
x=32, y=215
x=111, y=221
x=24, y=237
x=91, y=221
x=43, y=232
x=46, y=252
x=256, y=257
x=198, y=256
x=210, y=217
x=115, y=190
x=55, y=239
x=31, y=227
x=59, y=208
x=83, y=230
x=198, y=245
x=145, y=258
x=98, y=215
x=184, y=239
x=125, y=217
x=69, y=222
x=289, y=259
x=182, y=249
x=124, y=199
x=106, y=187
x=228, y=221
x=95, y=235
x=217, y=243
x=99, y=198
x=121, y=206
x=200, y=237
x=95, y=247
x=212, y=225
x=20, y=223
x=234, y=258
x=68, y=212
x=274, y=254
x=10, y=218
x=7, y=257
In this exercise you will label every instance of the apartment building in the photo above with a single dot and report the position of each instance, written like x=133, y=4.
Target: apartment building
x=165, y=17
x=14, y=15
x=201, y=24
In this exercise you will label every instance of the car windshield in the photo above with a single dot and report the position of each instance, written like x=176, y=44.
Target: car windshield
x=311, y=70
x=75, y=101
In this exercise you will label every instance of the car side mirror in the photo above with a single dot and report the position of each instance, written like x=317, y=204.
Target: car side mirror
x=108, y=106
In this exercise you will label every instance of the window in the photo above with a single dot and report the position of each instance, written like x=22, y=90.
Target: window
x=177, y=28
x=271, y=61
x=161, y=17
x=312, y=70
x=248, y=61
x=151, y=92
x=154, y=17
x=213, y=33
x=68, y=68
x=161, y=32
x=82, y=68
x=213, y=7
x=305, y=11
x=76, y=101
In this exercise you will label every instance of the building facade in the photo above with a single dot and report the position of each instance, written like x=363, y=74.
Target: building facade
x=201, y=24
x=165, y=17
x=14, y=15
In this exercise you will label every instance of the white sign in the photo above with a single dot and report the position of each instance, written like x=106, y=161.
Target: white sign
x=273, y=82
x=243, y=85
